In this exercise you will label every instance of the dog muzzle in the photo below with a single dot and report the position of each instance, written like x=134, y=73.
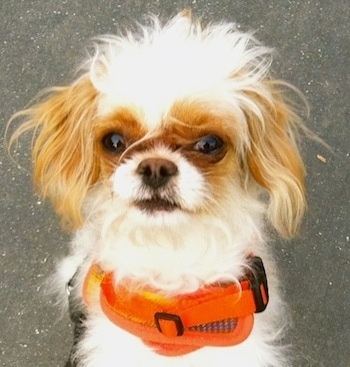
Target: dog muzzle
x=216, y=315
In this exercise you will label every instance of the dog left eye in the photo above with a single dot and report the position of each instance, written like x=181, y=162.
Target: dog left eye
x=209, y=144
x=114, y=143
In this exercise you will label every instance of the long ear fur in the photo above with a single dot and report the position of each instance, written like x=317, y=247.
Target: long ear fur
x=274, y=160
x=64, y=166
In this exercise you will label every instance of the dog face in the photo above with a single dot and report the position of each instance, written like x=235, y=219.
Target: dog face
x=180, y=123
x=171, y=171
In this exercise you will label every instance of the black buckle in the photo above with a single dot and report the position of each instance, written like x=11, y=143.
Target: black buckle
x=257, y=280
x=158, y=316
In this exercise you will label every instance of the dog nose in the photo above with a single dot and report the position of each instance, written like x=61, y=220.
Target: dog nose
x=156, y=172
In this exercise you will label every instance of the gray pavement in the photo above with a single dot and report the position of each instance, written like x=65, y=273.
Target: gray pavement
x=41, y=42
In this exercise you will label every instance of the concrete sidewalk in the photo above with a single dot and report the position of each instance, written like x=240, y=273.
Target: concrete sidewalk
x=42, y=42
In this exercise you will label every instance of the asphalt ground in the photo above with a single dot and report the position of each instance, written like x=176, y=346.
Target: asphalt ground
x=42, y=42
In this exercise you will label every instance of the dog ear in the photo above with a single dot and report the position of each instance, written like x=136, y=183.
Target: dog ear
x=274, y=160
x=63, y=146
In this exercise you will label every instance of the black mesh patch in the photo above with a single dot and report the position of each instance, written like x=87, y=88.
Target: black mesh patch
x=223, y=326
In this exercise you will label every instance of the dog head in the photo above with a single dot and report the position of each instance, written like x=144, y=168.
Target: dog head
x=177, y=122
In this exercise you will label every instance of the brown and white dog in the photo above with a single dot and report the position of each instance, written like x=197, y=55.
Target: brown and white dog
x=168, y=156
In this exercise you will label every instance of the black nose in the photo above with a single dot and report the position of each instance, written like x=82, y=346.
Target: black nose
x=156, y=172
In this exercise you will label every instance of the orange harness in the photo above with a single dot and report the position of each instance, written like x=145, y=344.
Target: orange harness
x=217, y=315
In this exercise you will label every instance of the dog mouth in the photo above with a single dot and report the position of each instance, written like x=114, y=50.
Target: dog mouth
x=156, y=205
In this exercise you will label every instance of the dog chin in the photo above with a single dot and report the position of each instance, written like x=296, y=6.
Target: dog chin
x=157, y=213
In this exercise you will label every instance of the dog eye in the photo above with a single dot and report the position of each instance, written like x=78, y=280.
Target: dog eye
x=209, y=144
x=114, y=143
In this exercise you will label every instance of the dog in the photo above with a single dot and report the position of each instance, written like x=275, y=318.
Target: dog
x=170, y=157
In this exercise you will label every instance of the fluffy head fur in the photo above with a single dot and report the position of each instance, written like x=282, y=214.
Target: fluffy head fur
x=162, y=155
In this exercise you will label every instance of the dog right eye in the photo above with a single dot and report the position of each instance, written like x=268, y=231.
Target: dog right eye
x=114, y=143
x=209, y=144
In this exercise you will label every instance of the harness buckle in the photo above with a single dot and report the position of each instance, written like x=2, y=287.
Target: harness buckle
x=169, y=324
x=258, y=284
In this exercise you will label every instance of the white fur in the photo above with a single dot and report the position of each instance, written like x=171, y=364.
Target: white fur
x=189, y=186
x=175, y=259
x=176, y=61
x=177, y=251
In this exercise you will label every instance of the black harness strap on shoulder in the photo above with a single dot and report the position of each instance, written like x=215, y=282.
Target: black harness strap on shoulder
x=77, y=314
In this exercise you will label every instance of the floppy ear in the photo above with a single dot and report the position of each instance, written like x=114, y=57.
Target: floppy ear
x=63, y=159
x=274, y=160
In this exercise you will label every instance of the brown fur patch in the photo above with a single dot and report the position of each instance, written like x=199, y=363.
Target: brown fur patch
x=63, y=159
x=274, y=160
x=124, y=121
